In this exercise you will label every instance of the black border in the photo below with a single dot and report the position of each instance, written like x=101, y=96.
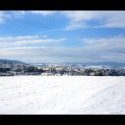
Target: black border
x=62, y=5
x=63, y=119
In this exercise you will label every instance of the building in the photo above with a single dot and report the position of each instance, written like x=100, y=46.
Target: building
x=57, y=74
x=47, y=74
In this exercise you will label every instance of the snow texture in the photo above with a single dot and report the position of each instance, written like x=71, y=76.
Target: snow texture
x=62, y=95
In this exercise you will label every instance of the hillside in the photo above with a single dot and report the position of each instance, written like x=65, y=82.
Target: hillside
x=10, y=61
x=62, y=95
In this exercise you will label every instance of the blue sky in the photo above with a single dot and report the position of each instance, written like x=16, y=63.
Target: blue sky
x=62, y=36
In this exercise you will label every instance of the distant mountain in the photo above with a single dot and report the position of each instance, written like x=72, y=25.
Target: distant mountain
x=5, y=61
x=110, y=64
x=113, y=64
x=40, y=64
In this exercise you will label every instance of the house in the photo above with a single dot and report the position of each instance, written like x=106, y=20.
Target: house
x=66, y=74
x=47, y=74
x=92, y=74
x=57, y=74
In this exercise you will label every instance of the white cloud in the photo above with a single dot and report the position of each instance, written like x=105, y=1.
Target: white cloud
x=18, y=14
x=38, y=41
x=74, y=26
x=43, y=13
x=41, y=54
x=101, y=49
x=77, y=19
x=3, y=16
x=79, y=15
x=26, y=40
x=18, y=38
x=103, y=18
x=111, y=43
x=94, y=50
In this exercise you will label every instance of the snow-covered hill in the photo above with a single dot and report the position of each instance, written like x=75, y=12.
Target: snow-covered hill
x=62, y=95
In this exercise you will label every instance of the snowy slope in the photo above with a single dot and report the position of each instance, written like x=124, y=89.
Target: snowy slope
x=62, y=95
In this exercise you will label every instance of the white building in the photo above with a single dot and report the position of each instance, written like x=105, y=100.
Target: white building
x=47, y=74
x=58, y=74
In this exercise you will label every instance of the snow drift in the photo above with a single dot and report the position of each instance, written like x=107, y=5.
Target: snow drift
x=62, y=95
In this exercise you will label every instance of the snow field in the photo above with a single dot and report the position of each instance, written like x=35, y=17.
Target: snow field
x=62, y=95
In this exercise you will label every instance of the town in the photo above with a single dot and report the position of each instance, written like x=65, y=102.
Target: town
x=58, y=70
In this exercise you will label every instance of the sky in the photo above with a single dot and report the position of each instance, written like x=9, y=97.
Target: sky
x=62, y=36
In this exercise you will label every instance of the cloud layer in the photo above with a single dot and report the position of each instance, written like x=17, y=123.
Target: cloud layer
x=36, y=48
x=93, y=50
x=26, y=40
x=77, y=19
